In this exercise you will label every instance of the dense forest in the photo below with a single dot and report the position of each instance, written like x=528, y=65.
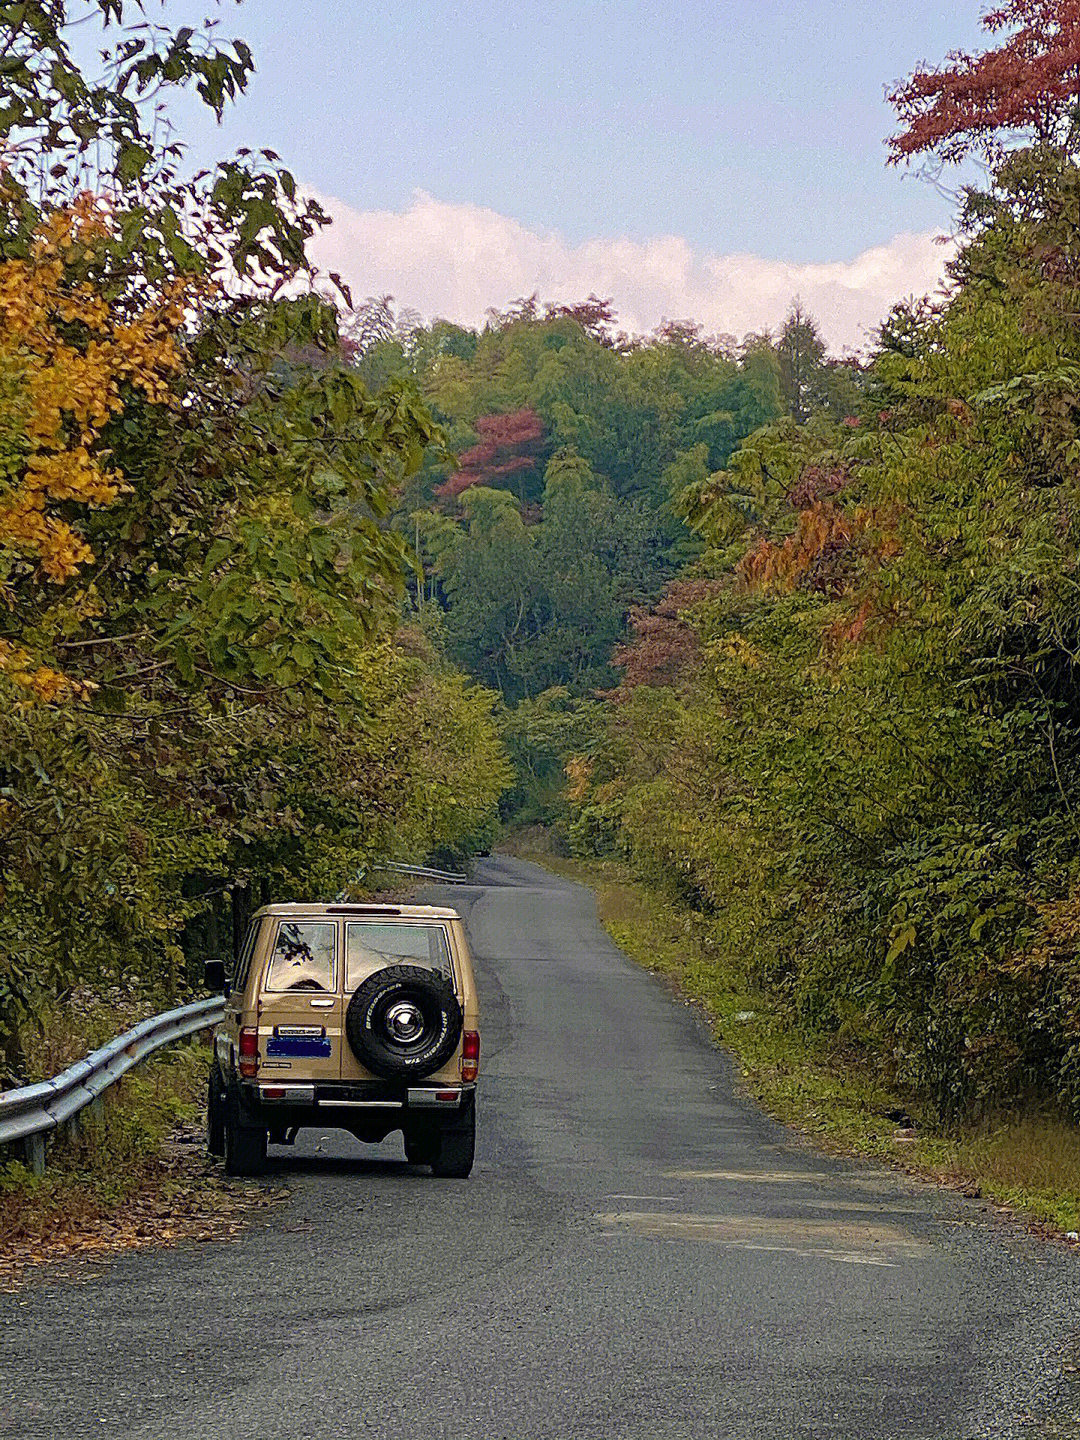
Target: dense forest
x=559, y=511
x=293, y=584
x=798, y=637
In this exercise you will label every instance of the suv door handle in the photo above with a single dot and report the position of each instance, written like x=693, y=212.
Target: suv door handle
x=322, y=1004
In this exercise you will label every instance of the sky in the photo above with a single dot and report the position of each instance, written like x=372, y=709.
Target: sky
x=690, y=160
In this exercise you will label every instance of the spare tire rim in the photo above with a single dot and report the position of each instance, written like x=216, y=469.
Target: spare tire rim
x=405, y=1022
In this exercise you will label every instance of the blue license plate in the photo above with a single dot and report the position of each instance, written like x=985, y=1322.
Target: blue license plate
x=297, y=1047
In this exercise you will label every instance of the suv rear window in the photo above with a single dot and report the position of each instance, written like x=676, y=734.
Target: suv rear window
x=303, y=957
x=371, y=946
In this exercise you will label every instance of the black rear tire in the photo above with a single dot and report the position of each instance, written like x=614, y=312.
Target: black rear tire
x=245, y=1144
x=215, y=1114
x=421, y=1149
x=456, y=1147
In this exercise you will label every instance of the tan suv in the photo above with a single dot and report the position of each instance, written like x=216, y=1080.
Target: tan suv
x=362, y=1017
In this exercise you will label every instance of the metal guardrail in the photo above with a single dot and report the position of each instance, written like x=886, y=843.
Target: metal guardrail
x=29, y=1114
x=424, y=872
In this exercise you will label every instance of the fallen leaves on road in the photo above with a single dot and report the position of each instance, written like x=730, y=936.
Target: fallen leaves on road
x=176, y=1196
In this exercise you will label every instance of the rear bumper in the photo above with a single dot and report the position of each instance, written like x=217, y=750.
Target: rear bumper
x=295, y=1102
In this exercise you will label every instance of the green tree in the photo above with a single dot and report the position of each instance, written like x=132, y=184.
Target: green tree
x=801, y=353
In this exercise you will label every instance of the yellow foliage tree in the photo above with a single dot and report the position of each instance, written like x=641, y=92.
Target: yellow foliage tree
x=68, y=353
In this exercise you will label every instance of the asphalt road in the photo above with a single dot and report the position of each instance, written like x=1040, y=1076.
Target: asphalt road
x=639, y=1255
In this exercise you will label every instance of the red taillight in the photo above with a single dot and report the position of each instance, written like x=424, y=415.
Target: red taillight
x=470, y=1055
x=248, y=1051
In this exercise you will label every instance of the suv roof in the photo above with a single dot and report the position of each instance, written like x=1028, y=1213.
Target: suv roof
x=344, y=907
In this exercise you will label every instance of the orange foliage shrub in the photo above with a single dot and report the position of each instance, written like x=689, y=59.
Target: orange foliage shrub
x=66, y=355
x=41, y=681
x=821, y=528
x=579, y=770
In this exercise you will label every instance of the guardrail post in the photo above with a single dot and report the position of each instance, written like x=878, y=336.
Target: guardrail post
x=34, y=1150
x=96, y=1109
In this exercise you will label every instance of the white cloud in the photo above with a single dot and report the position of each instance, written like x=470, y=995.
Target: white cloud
x=457, y=260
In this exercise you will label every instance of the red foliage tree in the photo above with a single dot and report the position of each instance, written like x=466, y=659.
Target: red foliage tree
x=1029, y=83
x=665, y=645
x=509, y=444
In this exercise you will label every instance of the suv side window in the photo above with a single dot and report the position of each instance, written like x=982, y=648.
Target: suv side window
x=303, y=957
x=243, y=963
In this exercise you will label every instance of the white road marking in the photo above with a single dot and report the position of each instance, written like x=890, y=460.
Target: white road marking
x=853, y=1241
x=673, y=1199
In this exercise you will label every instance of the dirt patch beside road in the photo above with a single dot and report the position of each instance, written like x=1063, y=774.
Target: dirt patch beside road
x=139, y=1177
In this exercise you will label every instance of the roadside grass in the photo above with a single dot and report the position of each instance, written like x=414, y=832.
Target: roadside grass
x=138, y=1176
x=824, y=1089
x=86, y=1019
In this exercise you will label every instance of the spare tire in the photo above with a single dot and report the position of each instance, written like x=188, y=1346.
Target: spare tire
x=404, y=1021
